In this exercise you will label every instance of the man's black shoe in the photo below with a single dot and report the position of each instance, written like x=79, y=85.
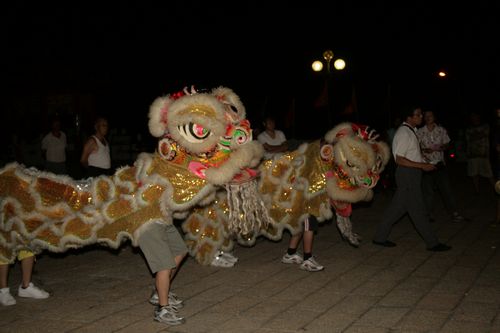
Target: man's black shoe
x=387, y=243
x=440, y=247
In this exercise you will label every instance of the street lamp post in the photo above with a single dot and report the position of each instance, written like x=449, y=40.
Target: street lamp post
x=318, y=66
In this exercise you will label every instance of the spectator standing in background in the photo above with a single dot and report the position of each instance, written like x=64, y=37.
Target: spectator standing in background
x=54, y=146
x=477, y=138
x=434, y=140
x=96, y=157
x=273, y=140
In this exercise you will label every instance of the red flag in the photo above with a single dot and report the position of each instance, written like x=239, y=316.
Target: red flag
x=352, y=107
x=322, y=100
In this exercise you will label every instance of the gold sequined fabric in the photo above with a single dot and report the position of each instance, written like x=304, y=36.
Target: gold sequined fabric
x=291, y=186
x=45, y=211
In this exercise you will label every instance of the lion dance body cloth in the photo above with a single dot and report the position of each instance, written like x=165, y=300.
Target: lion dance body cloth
x=205, y=142
x=334, y=172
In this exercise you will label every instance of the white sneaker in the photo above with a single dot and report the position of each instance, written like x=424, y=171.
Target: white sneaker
x=292, y=259
x=458, y=218
x=173, y=300
x=311, y=265
x=167, y=315
x=32, y=291
x=228, y=256
x=6, y=298
x=221, y=261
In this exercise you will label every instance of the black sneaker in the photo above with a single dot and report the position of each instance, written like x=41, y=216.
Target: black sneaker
x=387, y=243
x=440, y=247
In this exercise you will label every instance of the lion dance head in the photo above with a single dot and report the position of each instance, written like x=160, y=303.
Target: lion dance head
x=357, y=159
x=207, y=132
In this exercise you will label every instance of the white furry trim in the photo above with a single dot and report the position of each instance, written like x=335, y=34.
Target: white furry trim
x=258, y=153
x=385, y=152
x=227, y=95
x=351, y=196
x=238, y=159
x=127, y=184
x=325, y=212
x=111, y=193
x=331, y=135
x=157, y=125
x=9, y=166
x=350, y=148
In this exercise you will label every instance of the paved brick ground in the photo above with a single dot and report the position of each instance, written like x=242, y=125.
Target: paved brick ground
x=369, y=289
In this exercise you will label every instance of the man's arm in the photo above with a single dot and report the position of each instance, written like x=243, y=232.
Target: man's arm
x=89, y=147
x=276, y=149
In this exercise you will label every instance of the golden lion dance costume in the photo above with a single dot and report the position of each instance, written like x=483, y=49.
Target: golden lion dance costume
x=334, y=172
x=205, y=142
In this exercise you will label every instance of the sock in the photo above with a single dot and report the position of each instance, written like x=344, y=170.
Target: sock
x=291, y=251
x=307, y=255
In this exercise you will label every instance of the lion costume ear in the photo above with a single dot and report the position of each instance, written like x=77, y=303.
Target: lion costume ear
x=228, y=97
x=385, y=153
x=158, y=116
x=339, y=131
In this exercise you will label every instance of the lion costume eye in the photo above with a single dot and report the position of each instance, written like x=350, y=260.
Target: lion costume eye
x=350, y=165
x=233, y=108
x=240, y=136
x=326, y=152
x=193, y=132
x=378, y=164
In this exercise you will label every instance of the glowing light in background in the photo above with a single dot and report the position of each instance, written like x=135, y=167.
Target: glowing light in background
x=317, y=66
x=339, y=64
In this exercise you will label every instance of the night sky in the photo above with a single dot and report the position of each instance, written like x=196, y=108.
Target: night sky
x=128, y=53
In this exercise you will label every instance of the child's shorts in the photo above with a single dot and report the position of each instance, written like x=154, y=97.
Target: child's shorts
x=161, y=243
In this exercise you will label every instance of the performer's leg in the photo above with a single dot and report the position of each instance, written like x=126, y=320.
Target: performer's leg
x=291, y=256
x=162, y=281
x=309, y=262
x=5, y=296
x=294, y=242
x=27, y=270
x=308, y=241
x=4, y=273
x=310, y=227
x=178, y=259
x=27, y=288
